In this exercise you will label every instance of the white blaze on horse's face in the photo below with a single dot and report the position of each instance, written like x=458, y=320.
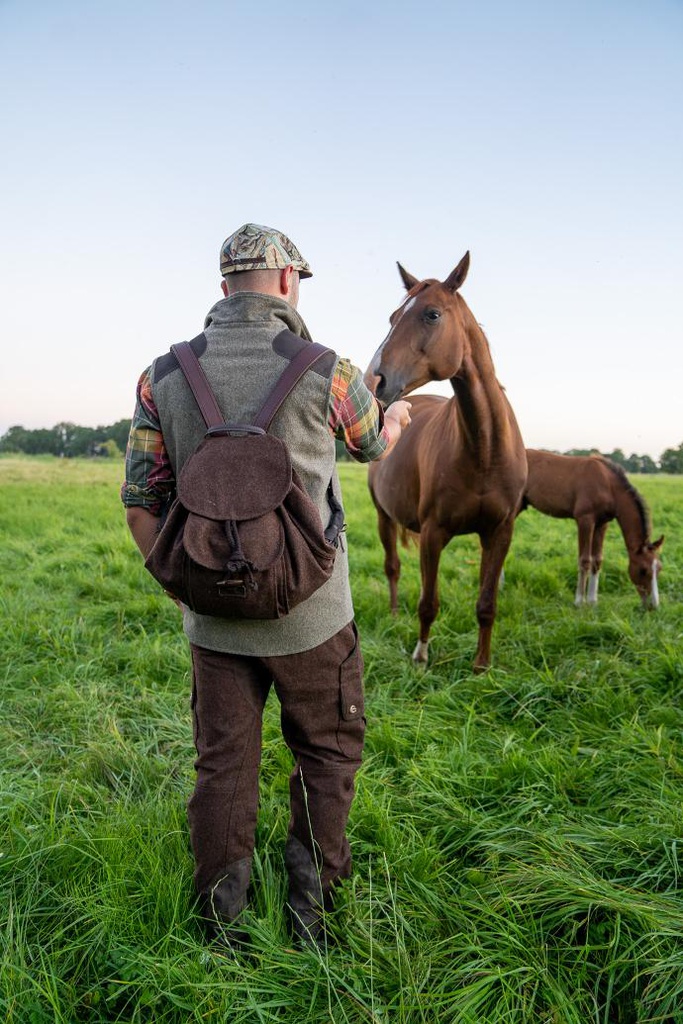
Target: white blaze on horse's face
x=644, y=570
x=407, y=304
x=370, y=377
x=654, y=592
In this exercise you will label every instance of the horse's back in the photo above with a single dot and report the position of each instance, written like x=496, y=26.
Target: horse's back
x=566, y=486
x=431, y=474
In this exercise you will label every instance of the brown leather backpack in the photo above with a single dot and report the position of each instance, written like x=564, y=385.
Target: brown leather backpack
x=243, y=539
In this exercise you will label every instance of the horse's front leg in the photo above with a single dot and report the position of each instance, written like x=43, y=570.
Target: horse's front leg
x=432, y=543
x=596, y=562
x=586, y=526
x=392, y=564
x=494, y=549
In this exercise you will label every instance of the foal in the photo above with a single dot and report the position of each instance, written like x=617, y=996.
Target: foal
x=594, y=491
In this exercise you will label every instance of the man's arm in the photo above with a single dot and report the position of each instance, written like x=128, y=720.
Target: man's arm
x=150, y=482
x=144, y=526
x=356, y=417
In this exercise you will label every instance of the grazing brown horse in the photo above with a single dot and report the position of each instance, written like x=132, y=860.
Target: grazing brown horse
x=460, y=467
x=594, y=491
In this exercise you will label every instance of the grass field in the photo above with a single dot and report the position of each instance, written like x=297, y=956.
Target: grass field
x=517, y=836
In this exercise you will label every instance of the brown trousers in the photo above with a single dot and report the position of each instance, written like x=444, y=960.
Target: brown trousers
x=321, y=698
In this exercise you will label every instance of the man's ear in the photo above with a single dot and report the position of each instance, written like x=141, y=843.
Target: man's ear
x=224, y=287
x=286, y=280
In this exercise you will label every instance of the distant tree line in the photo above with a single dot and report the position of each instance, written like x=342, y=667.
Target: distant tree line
x=67, y=440
x=670, y=461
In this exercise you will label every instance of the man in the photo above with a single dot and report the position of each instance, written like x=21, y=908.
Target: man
x=312, y=656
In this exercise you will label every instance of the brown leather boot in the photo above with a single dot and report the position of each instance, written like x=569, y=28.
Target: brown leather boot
x=306, y=904
x=221, y=906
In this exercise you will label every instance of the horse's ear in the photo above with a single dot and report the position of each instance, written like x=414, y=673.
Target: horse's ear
x=656, y=544
x=408, y=279
x=457, y=278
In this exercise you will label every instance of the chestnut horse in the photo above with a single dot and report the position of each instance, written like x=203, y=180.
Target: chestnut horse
x=594, y=491
x=460, y=467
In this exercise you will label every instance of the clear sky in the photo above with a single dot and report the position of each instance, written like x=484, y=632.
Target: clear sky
x=545, y=137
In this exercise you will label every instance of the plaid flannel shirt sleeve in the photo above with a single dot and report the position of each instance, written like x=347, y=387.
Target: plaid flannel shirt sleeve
x=355, y=415
x=150, y=481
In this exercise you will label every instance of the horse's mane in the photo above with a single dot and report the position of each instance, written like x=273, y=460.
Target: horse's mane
x=637, y=497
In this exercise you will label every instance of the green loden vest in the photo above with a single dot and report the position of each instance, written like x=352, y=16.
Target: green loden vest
x=242, y=360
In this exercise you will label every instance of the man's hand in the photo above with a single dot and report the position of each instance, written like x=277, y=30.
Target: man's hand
x=396, y=419
x=399, y=411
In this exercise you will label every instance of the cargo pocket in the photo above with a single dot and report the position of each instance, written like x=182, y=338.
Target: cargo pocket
x=351, y=703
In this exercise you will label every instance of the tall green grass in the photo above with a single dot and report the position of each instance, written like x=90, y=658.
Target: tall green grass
x=517, y=836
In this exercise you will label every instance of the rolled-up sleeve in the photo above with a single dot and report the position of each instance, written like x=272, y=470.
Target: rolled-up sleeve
x=355, y=415
x=150, y=481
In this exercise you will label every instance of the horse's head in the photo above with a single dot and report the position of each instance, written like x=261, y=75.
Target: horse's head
x=643, y=568
x=427, y=336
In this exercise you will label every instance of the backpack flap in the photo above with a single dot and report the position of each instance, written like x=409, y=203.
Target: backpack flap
x=236, y=477
x=237, y=481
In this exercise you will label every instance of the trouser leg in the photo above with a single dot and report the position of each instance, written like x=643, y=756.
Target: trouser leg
x=228, y=696
x=321, y=697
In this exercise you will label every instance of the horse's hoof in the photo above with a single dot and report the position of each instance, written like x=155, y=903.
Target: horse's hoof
x=420, y=654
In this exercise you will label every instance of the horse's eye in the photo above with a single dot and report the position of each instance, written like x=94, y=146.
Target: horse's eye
x=432, y=315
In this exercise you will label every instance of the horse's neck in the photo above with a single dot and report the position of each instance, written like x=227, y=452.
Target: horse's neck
x=481, y=406
x=629, y=516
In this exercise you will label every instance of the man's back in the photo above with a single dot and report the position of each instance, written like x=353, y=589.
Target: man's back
x=249, y=343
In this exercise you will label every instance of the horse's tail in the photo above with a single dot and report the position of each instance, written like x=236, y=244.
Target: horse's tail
x=407, y=536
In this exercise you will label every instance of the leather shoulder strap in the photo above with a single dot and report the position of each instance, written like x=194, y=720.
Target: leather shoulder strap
x=197, y=379
x=291, y=376
x=206, y=400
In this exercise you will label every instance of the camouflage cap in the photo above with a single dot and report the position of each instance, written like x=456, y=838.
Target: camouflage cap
x=256, y=247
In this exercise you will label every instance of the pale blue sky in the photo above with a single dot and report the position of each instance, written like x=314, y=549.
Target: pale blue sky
x=545, y=137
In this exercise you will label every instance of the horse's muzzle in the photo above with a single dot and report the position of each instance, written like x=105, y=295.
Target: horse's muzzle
x=649, y=599
x=387, y=391
x=371, y=380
